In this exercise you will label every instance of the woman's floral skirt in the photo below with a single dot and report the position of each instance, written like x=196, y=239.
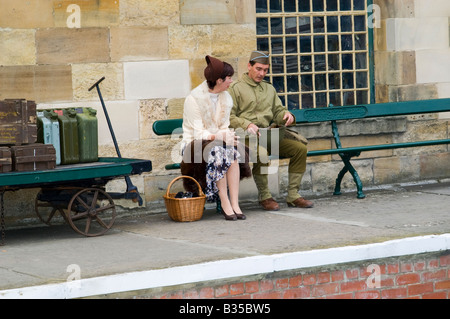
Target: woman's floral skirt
x=219, y=161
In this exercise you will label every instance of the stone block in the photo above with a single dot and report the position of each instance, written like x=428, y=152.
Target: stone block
x=423, y=131
x=149, y=112
x=189, y=41
x=26, y=14
x=139, y=43
x=86, y=74
x=175, y=108
x=207, y=12
x=245, y=12
x=319, y=144
x=17, y=47
x=156, y=79
x=379, y=37
x=398, y=68
x=396, y=8
x=41, y=83
x=417, y=33
x=443, y=90
x=415, y=92
x=362, y=140
x=389, y=170
x=234, y=40
x=435, y=8
x=430, y=64
x=434, y=166
x=93, y=13
x=69, y=46
x=155, y=13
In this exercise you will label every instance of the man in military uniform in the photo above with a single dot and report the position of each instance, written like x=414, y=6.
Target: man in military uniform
x=256, y=105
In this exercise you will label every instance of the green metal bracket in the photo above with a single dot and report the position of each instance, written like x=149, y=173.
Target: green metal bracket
x=348, y=167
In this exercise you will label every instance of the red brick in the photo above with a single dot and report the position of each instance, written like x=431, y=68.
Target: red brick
x=406, y=267
x=237, y=289
x=420, y=265
x=408, y=279
x=325, y=289
x=352, y=273
x=434, y=263
x=337, y=275
x=266, y=285
x=442, y=285
x=435, y=295
x=309, y=279
x=392, y=269
x=340, y=296
x=297, y=293
x=295, y=281
x=191, y=294
x=372, y=294
x=269, y=295
x=206, y=293
x=323, y=277
x=433, y=275
x=221, y=291
x=444, y=260
x=394, y=293
x=282, y=283
x=353, y=286
x=251, y=286
x=420, y=289
x=173, y=295
x=387, y=282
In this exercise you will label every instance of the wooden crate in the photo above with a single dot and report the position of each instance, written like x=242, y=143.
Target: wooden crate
x=17, y=122
x=33, y=157
x=5, y=160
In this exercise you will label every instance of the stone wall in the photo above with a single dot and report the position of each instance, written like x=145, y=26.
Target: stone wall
x=152, y=54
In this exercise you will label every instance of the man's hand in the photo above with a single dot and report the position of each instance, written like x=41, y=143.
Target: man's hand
x=253, y=129
x=289, y=118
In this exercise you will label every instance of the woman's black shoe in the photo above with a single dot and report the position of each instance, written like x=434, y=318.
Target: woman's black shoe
x=229, y=217
x=240, y=216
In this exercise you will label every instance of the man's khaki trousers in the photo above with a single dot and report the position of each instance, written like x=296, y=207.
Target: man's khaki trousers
x=294, y=150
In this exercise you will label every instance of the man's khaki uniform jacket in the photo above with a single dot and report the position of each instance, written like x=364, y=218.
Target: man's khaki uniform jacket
x=256, y=103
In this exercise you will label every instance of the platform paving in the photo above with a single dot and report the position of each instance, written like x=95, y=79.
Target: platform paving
x=45, y=256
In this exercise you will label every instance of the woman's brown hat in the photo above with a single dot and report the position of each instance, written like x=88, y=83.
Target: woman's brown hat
x=214, y=69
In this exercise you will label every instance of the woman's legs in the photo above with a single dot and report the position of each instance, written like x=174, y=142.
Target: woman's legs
x=233, y=186
x=230, y=184
x=222, y=185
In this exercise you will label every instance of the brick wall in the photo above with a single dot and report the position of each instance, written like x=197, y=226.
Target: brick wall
x=424, y=276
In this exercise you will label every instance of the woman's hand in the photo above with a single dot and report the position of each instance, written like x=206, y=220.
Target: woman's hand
x=229, y=137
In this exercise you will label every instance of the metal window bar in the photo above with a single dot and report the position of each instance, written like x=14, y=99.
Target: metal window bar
x=360, y=92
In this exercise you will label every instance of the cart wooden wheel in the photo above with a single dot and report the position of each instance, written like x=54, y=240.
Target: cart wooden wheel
x=46, y=211
x=91, y=212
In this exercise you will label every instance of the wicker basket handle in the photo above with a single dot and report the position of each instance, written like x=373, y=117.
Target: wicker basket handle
x=184, y=176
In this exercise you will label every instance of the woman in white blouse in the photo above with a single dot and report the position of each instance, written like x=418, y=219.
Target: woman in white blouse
x=210, y=152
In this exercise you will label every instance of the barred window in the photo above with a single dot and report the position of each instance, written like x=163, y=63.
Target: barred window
x=319, y=50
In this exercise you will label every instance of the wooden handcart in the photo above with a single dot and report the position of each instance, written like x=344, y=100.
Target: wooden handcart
x=77, y=192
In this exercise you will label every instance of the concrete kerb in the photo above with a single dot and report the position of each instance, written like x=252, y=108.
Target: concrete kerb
x=224, y=269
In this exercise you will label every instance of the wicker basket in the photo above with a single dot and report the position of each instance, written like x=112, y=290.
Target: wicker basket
x=185, y=209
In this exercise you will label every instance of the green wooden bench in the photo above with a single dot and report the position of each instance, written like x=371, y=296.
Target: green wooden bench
x=334, y=114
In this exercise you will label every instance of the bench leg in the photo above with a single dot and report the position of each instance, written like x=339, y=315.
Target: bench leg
x=218, y=206
x=349, y=168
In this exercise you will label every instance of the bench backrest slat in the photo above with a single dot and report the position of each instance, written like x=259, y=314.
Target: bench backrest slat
x=336, y=113
x=166, y=127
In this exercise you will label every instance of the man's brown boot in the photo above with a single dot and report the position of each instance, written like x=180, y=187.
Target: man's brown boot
x=301, y=203
x=269, y=204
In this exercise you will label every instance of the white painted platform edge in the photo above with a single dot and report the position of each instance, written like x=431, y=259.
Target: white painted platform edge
x=229, y=268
